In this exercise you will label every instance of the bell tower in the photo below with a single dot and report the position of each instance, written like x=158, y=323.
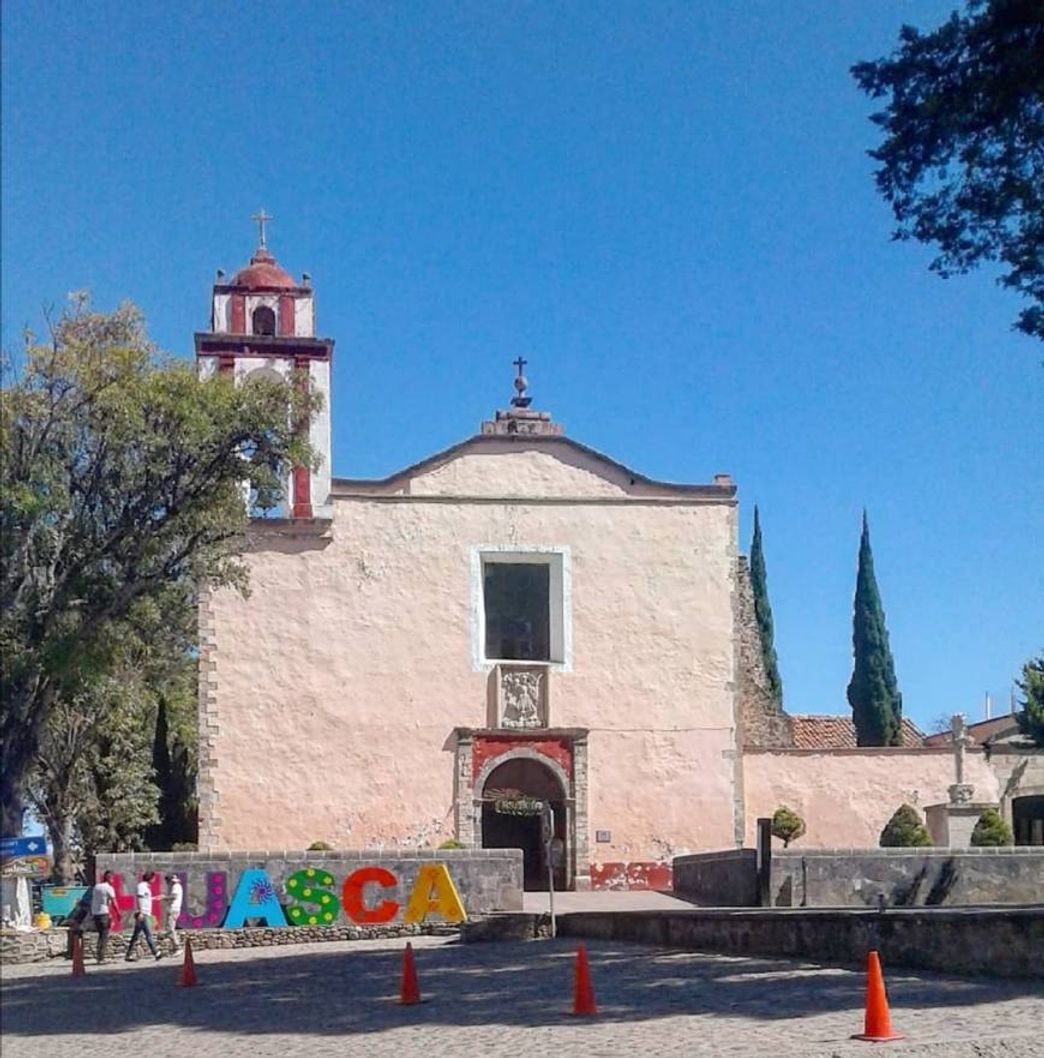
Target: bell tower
x=263, y=323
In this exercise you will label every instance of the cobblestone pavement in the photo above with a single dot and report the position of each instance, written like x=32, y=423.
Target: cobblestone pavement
x=497, y=1000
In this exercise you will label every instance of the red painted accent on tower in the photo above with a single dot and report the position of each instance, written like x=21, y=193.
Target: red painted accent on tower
x=557, y=749
x=286, y=314
x=226, y=364
x=302, y=493
x=238, y=321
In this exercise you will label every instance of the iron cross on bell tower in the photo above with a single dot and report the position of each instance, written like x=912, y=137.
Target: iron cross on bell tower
x=261, y=218
x=520, y=400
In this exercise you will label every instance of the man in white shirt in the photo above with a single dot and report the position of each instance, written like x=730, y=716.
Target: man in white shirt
x=142, y=914
x=103, y=900
x=175, y=894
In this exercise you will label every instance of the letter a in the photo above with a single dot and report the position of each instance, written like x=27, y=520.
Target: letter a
x=434, y=878
x=255, y=898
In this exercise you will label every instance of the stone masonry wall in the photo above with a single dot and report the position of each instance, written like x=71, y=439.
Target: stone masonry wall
x=860, y=877
x=762, y=722
x=486, y=879
x=907, y=877
x=718, y=879
x=1003, y=942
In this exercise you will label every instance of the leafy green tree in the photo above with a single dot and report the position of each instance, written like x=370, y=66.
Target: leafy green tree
x=1031, y=718
x=763, y=612
x=961, y=159
x=873, y=693
x=787, y=825
x=904, y=830
x=121, y=474
x=991, y=829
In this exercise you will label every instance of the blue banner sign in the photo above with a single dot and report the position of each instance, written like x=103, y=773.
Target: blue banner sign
x=25, y=856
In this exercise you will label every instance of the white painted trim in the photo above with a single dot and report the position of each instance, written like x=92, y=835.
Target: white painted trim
x=560, y=560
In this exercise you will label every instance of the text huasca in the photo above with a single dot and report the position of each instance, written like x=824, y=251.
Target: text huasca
x=312, y=898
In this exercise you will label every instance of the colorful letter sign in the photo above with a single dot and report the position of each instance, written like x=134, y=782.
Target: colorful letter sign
x=255, y=898
x=433, y=878
x=310, y=898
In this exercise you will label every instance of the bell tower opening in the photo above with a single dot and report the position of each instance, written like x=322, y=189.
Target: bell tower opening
x=264, y=321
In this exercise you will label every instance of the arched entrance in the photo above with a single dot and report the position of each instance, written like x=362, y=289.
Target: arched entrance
x=511, y=818
x=1027, y=818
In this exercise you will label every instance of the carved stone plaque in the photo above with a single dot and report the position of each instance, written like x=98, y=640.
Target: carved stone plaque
x=522, y=696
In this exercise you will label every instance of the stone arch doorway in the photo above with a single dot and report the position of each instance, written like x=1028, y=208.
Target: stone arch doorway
x=1027, y=819
x=506, y=823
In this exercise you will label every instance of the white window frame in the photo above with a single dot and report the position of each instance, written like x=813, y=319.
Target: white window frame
x=560, y=598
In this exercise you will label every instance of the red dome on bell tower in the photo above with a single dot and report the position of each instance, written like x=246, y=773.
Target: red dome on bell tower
x=263, y=272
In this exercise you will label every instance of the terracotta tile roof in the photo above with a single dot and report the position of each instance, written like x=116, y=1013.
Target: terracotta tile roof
x=838, y=732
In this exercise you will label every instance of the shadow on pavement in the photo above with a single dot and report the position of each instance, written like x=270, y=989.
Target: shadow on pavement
x=341, y=991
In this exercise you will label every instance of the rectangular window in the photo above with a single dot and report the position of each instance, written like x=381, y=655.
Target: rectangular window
x=517, y=602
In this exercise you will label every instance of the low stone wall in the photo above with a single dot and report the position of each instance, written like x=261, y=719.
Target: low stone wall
x=907, y=877
x=1003, y=942
x=718, y=879
x=863, y=877
x=39, y=945
x=485, y=879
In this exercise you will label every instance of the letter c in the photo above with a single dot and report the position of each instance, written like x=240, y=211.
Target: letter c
x=352, y=896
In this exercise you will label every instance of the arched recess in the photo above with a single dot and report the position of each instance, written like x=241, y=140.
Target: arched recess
x=263, y=320
x=526, y=772
x=1027, y=816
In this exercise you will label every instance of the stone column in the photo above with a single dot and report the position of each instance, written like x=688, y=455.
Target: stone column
x=582, y=875
x=463, y=795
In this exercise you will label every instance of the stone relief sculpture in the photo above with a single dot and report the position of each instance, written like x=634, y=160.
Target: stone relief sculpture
x=520, y=691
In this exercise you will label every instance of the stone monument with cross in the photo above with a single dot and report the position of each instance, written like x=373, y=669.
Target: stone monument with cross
x=951, y=824
x=960, y=791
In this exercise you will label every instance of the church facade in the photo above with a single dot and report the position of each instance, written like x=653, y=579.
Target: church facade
x=514, y=621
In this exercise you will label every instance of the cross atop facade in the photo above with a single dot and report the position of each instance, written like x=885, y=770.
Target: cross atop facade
x=260, y=219
x=520, y=400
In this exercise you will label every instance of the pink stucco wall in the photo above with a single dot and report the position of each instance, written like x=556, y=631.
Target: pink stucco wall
x=847, y=796
x=339, y=681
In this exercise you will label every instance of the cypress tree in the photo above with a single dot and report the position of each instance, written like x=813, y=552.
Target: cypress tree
x=873, y=694
x=763, y=612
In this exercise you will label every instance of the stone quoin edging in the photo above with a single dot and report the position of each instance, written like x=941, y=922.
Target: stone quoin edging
x=998, y=941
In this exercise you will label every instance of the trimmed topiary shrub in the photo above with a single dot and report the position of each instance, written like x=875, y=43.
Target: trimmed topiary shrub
x=320, y=846
x=904, y=830
x=991, y=829
x=787, y=825
x=451, y=843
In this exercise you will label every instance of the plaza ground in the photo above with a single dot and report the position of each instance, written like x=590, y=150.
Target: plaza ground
x=500, y=999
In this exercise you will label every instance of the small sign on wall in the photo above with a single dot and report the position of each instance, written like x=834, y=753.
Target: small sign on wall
x=603, y=837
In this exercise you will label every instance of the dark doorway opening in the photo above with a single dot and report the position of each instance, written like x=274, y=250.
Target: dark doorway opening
x=517, y=781
x=1027, y=817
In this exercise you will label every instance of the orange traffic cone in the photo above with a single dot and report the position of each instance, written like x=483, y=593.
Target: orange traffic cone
x=187, y=978
x=409, y=991
x=877, y=1026
x=583, y=991
x=78, y=969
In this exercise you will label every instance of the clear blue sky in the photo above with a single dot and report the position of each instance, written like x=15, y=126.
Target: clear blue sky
x=666, y=208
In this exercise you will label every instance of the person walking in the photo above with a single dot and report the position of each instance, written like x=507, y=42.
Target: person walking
x=75, y=922
x=176, y=895
x=103, y=907
x=142, y=914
